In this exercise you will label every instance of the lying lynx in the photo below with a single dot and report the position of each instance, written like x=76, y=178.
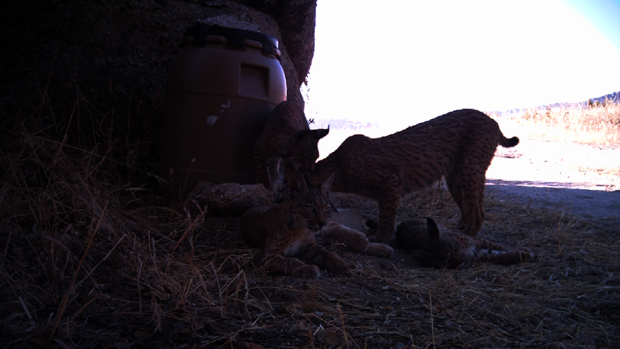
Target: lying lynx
x=458, y=146
x=440, y=247
x=287, y=230
x=286, y=144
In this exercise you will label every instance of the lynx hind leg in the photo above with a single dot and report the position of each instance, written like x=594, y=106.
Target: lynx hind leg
x=466, y=186
x=455, y=186
x=319, y=255
x=354, y=239
x=509, y=257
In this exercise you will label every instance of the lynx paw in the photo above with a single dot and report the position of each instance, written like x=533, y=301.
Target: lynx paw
x=307, y=272
x=348, y=267
x=354, y=239
x=527, y=256
x=379, y=250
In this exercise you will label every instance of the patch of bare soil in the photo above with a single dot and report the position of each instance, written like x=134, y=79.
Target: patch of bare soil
x=578, y=179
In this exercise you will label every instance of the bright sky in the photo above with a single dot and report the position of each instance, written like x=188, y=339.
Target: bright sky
x=402, y=62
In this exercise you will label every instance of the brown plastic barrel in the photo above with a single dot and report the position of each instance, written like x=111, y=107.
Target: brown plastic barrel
x=219, y=92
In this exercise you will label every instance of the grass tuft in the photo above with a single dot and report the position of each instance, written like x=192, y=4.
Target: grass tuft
x=591, y=123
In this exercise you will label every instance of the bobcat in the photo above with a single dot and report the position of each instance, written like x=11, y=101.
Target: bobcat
x=286, y=144
x=458, y=145
x=287, y=230
x=440, y=247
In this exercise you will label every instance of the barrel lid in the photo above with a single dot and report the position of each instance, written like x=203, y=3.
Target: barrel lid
x=234, y=37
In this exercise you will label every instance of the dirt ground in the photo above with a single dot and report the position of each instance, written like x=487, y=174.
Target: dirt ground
x=580, y=179
x=173, y=280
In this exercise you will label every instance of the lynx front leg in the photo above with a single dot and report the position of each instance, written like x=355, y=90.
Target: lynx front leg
x=507, y=257
x=388, y=205
x=275, y=261
x=379, y=250
x=355, y=240
x=319, y=255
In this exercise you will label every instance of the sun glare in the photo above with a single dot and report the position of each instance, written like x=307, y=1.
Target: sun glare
x=404, y=62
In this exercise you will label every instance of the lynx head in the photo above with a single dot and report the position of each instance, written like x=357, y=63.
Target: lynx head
x=438, y=252
x=411, y=235
x=303, y=150
x=308, y=207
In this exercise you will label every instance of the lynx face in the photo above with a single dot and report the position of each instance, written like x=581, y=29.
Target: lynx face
x=286, y=145
x=308, y=207
x=458, y=146
x=441, y=247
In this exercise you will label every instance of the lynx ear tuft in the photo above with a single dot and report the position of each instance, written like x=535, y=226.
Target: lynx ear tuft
x=327, y=183
x=296, y=184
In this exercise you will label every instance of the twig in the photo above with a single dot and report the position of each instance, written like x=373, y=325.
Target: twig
x=103, y=260
x=65, y=298
x=344, y=330
x=430, y=299
x=26, y=309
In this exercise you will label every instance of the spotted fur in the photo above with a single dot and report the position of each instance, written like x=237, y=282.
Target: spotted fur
x=441, y=247
x=285, y=145
x=458, y=146
x=286, y=231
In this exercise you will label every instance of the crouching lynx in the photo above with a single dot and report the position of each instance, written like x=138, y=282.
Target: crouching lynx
x=287, y=230
x=286, y=144
x=440, y=247
x=458, y=145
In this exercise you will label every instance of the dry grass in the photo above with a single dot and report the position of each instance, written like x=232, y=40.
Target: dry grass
x=90, y=258
x=82, y=266
x=592, y=123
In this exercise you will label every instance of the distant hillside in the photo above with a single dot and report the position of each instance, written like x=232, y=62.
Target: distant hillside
x=612, y=97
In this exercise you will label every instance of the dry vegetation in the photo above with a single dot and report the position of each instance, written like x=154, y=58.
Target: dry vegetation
x=596, y=123
x=91, y=258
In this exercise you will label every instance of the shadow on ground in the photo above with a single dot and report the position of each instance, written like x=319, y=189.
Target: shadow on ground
x=584, y=203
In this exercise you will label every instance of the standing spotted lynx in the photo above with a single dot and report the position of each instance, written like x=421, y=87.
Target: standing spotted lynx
x=440, y=247
x=286, y=231
x=458, y=146
x=286, y=144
